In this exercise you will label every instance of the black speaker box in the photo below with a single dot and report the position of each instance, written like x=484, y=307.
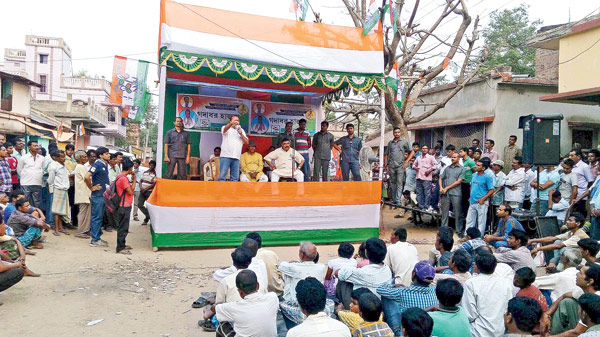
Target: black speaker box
x=541, y=139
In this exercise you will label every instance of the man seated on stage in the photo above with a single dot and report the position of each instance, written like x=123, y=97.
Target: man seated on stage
x=28, y=229
x=285, y=159
x=506, y=223
x=251, y=164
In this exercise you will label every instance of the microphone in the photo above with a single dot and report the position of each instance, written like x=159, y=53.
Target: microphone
x=237, y=127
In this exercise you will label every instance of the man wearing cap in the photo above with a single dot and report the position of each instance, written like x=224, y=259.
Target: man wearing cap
x=251, y=163
x=498, y=195
x=420, y=294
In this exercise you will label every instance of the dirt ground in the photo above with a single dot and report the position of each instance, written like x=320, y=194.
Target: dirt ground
x=144, y=294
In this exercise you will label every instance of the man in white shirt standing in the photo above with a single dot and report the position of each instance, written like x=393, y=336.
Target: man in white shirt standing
x=234, y=138
x=310, y=294
x=30, y=170
x=254, y=315
x=288, y=162
x=514, y=184
x=401, y=257
x=486, y=316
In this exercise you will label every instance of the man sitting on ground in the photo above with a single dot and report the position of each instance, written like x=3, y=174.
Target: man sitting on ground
x=254, y=315
x=516, y=255
x=251, y=164
x=372, y=275
x=523, y=280
x=271, y=261
x=310, y=294
x=401, y=257
x=11, y=273
x=444, y=234
x=589, y=250
x=294, y=272
x=473, y=242
x=522, y=316
x=449, y=319
x=28, y=229
x=257, y=265
x=227, y=291
x=563, y=311
x=420, y=294
x=369, y=307
x=352, y=317
x=16, y=251
x=486, y=315
x=506, y=223
x=416, y=323
x=590, y=314
x=563, y=282
x=459, y=265
x=285, y=161
x=10, y=207
x=562, y=241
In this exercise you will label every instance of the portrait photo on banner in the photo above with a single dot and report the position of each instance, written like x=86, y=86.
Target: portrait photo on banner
x=210, y=113
x=269, y=118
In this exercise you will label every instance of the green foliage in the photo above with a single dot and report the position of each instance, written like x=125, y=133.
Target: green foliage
x=506, y=36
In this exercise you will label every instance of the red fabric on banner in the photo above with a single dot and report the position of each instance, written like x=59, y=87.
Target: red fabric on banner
x=262, y=144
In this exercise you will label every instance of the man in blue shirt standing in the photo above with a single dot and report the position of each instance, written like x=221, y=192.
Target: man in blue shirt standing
x=97, y=180
x=350, y=146
x=482, y=188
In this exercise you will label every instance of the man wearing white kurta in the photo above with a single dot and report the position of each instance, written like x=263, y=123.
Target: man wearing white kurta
x=284, y=159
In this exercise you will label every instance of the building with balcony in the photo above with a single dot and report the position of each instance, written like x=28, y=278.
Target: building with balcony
x=16, y=119
x=72, y=100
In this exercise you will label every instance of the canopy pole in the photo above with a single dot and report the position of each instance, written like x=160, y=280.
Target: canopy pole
x=161, y=119
x=381, y=133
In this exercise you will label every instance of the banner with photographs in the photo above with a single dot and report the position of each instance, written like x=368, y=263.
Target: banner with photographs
x=268, y=118
x=209, y=113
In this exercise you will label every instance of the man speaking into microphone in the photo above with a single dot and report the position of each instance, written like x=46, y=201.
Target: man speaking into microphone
x=285, y=162
x=234, y=139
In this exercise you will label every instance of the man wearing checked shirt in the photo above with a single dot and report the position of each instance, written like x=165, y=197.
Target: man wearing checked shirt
x=5, y=175
x=420, y=294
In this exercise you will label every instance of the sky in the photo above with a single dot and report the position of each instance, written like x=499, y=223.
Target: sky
x=97, y=30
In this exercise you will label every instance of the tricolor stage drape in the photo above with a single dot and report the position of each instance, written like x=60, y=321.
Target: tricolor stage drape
x=190, y=213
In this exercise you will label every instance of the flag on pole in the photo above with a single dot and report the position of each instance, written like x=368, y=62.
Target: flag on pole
x=373, y=17
x=300, y=7
x=128, y=86
x=81, y=130
x=393, y=15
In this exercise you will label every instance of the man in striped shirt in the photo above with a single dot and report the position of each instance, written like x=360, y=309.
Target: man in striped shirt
x=5, y=175
x=302, y=145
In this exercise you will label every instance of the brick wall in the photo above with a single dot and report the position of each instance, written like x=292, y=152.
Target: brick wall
x=546, y=64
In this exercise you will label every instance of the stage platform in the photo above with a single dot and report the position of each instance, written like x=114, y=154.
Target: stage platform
x=213, y=214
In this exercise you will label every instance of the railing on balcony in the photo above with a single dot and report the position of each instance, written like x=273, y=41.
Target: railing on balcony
x=85, y=83
x=47, y=42
x=22, y=73
x=14, y=53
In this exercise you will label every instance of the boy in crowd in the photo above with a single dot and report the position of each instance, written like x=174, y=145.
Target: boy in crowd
x=449, y=320
x=369, y=307
x=352, y=317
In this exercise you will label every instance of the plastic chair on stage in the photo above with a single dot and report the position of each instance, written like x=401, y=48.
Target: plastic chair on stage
x=215, y=168
x=195, y=162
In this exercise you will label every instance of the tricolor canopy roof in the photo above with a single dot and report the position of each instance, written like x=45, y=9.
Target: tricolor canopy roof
x=216, y=46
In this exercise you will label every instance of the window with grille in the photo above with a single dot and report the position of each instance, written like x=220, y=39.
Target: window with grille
x=43, y=82
x=43, y=58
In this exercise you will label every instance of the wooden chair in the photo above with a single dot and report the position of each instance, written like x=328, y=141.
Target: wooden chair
x=195, y=162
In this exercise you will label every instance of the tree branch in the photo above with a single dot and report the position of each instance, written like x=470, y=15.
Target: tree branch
x=353, y=14
x=471, y=43
x=450, y=95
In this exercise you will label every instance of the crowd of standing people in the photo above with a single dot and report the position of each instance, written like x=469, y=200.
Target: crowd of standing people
x=56, y=191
